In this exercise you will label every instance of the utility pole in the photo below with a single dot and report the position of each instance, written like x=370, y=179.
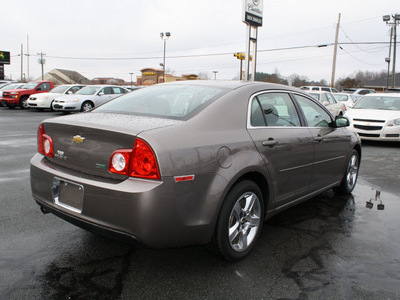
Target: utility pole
x=394, y=49
x=22, y=62
x=393, y=33
x=27, y=55
x=42, y=61
x=335, y=52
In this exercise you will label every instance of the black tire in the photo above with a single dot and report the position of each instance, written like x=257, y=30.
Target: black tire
x=87, y=105
x=242, y=214
x=51, y=106
x=23, y=103
x=351, y=174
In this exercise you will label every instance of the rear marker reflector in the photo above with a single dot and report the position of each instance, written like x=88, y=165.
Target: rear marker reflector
x=184, y=178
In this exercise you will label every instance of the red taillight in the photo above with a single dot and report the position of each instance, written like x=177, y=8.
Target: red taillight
x=119, y=162
x=45, y=142
x=138, y=162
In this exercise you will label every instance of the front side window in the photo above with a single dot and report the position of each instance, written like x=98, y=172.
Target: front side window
x=315, y=115
x=273, y=109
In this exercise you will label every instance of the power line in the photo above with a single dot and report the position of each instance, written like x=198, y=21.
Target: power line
x=210, y=54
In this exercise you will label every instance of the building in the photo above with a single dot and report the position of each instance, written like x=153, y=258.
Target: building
x=152, y=76
x=380, y=84
x=59, y=76
x=108, y=80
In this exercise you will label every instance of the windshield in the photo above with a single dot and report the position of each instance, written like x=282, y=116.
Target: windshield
x=378, y=102
x=174, y=101
x=60, y=89
x=30, y=85
x=11, y=86
x=342, y=97
x=89, y=90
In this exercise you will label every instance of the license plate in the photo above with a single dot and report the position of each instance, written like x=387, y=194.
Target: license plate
x=68, y=194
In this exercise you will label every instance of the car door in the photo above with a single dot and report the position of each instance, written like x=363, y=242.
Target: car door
x=104, y=95
x=330, y=144
x=285, y=146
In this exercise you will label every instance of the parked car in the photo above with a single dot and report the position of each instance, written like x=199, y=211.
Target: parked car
x=392, y=90
x=87, y=98
x=8, y=86
x=347, y=99
x=376, y=117
x=327, y=99
x=358, y=93
x=319, y=89
x=19, y=97
x=45, y=100
x=190, y=163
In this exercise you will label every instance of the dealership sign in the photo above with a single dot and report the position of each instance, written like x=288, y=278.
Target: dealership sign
x=253, y=12
x=4, y=57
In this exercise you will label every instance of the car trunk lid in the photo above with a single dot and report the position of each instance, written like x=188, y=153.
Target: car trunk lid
x=85, y=142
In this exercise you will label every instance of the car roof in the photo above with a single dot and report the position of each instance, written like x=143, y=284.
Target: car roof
x=233, y=85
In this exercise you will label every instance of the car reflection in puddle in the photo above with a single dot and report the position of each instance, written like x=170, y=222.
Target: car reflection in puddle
x=328, y=247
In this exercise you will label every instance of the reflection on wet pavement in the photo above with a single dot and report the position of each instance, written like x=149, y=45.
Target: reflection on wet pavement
x=327, y=248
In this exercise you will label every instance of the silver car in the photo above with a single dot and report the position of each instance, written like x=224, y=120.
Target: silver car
x=191, y=163
x=87, y=98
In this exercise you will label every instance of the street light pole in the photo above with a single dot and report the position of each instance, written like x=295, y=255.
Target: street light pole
x=164, y=36
x=131, y=78
x=215, y=75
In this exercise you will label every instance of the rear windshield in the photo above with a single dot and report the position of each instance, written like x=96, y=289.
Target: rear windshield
x=172, y=101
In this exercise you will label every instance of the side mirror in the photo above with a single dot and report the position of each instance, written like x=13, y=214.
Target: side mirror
x=100, y=94
x=341, y=121
x=326, y=103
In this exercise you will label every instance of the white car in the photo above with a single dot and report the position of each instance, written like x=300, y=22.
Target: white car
x=347, y=99
x=87, y=98
x=328, y=100
x=45, y=100
x=376, y=117
x=313, y=88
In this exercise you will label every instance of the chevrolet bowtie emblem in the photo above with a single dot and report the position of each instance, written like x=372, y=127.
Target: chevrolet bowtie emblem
x=78, y=139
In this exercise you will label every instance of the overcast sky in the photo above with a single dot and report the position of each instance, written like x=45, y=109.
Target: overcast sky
x=74, y=33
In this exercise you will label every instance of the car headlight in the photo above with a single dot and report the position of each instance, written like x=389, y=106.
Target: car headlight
x=395, y=122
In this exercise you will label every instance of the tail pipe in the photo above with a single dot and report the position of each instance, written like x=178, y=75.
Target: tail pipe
x=44, y=211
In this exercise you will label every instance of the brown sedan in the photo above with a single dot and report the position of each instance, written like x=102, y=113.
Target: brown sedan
x=190, y=163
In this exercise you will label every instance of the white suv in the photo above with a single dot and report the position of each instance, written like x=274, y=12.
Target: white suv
x=319, y=89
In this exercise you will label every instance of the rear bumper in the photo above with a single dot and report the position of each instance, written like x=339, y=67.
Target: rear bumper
x=154, y=213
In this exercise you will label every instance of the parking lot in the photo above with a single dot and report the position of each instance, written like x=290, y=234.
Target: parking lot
x=327, y=248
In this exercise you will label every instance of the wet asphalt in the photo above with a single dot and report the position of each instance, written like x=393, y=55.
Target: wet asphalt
x=329, y=247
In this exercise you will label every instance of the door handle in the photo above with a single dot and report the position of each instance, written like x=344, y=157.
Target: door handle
x=318, y=138
x=270, y=143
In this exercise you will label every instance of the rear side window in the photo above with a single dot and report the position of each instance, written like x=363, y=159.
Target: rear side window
x=273, y=109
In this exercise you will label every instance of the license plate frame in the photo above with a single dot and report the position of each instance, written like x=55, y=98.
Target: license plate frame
x=68, y=194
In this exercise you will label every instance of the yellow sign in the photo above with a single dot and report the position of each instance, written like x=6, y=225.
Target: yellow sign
x=242, y=56
x=149, y=73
